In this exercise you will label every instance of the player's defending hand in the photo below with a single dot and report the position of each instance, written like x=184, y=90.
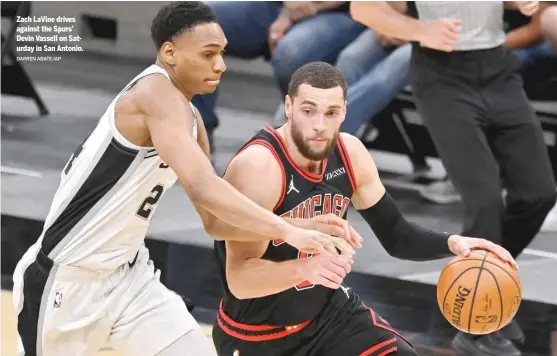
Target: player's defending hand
x=333, y=225
x=326, y=270
x=311, y=241
x=462, y=245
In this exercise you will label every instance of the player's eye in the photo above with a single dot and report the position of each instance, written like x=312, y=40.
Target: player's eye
x=208, y=54
x=332, y=113
x=307, y=111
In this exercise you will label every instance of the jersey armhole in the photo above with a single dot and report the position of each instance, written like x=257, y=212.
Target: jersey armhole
x=346, y=159
x=277, y=158
x=154, y=69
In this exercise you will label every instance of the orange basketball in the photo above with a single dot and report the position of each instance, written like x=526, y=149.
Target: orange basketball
x=479, y=294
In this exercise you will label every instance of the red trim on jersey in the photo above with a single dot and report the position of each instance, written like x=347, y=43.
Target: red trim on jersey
x=346, y=158
x=246, y=327
x=389, y=351
x=312, y=177
x=383, y=324
x=379, y=346
x=262, y=142
x=278, y=331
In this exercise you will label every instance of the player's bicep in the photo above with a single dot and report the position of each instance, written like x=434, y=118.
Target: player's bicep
x=206, y=216
x=170, y=119
x=245, y=173
x=369, y=188
x=247, y=170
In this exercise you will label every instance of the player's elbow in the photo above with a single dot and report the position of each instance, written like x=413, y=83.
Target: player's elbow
x=211, y=227
x=391, y=248
x=199, y=191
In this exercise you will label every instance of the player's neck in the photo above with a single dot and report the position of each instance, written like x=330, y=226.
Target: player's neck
x=175, y=82
x=301, y=161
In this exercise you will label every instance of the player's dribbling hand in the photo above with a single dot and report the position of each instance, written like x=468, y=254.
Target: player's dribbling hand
x=462, y=246
x=326, y=270
x=311, y=241
x=333, y=225
x=440, y=34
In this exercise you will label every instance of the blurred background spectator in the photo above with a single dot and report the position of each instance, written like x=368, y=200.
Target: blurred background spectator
x=289, y=34
x=376, y=69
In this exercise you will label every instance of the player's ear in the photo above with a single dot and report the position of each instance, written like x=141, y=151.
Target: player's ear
x=288, y=106
x=168, y=53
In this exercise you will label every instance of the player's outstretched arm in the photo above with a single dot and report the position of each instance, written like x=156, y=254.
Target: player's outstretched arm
x=399, y=237
x=220, y=230
x=169, y=120
x=256, y=174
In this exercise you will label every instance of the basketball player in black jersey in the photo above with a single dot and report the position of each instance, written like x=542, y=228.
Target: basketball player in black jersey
x=280, y=302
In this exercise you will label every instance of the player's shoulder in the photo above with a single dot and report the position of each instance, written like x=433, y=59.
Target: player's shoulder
x=156, y=88
x=361, y=160
x=255, y=158
x=353, y=145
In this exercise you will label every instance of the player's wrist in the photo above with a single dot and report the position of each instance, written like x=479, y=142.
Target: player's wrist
x=300, y=223
x=287, y=230
x=300, y=269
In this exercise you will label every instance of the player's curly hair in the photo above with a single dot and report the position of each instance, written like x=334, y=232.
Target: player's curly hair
x=319, y=75
x=177, y=17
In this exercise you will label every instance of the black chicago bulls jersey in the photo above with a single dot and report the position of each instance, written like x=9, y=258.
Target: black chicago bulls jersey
x=304, y=195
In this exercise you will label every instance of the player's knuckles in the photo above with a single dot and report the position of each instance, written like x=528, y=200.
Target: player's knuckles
x=338, y=271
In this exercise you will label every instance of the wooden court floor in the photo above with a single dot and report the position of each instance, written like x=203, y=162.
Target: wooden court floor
x=8, y=335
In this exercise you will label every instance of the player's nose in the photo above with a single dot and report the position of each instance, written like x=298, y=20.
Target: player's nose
x=319, y=124
x=220, y=66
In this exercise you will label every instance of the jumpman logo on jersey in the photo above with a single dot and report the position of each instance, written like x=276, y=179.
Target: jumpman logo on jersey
x=291, y=187
x=345, y=290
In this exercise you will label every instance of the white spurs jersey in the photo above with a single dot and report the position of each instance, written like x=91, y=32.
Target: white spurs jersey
x=107, y=196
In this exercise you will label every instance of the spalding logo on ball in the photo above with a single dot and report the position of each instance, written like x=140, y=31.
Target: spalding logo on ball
x=479, y=294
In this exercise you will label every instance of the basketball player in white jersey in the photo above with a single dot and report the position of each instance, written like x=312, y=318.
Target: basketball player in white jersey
x=88, y=281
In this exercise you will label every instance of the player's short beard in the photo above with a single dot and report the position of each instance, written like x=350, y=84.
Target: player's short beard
x=306, y=151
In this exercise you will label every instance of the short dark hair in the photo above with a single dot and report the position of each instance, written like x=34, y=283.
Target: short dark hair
x=319, y=75
x=177, y=17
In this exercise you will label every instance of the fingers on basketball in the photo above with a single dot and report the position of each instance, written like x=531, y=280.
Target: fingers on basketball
x=479, y=294
x=500, y=252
